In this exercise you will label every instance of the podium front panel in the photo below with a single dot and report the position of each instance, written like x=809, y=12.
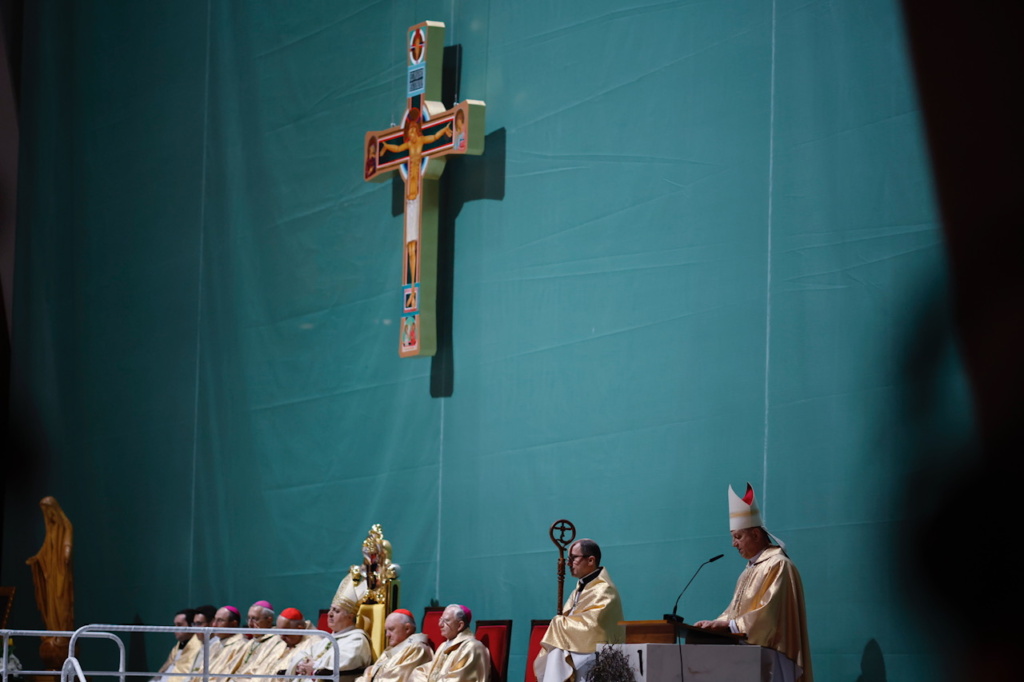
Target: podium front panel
x=698, y=662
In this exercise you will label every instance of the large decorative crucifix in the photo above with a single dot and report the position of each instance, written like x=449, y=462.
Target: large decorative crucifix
x=416, y=149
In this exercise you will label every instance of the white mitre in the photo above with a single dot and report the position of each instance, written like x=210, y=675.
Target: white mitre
x=743, y=511
x=348, y=594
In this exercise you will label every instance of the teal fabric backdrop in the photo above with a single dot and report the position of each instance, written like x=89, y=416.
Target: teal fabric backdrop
x=715, y=239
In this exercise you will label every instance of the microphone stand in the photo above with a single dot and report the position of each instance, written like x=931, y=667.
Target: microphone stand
x=672, y=617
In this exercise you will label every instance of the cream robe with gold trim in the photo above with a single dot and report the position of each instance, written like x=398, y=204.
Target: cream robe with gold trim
x=228, y=658
x=463, y=659
x=197, y=663
x=253, y=650
x=273, y=656
x=180, y=660
x=353, y=646
x=768, y=605
x=397, y=663
x=593, y=621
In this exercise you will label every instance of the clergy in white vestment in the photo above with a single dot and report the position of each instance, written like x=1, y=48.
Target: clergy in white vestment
x=260, y=617
x=183, y=654
x=354, y=649
x=461, y=657
x=590, y=618
x=282, y=649
x=204, y=618
x=768, y=603
x=232, y=646
x=407, y=650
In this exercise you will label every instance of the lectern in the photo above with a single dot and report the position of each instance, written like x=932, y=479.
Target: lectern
x=705, y=657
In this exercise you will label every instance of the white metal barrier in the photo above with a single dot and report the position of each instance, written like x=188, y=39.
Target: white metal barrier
x=72, y=669
x=7, y=634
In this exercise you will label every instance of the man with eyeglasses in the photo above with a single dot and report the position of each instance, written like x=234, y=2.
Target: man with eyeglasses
x=589, y=618
x=460, y=657
x=261, y=616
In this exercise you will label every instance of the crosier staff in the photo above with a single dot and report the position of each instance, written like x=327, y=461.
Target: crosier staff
x=562, y=533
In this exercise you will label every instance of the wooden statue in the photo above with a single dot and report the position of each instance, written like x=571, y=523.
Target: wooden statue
x=54, y=582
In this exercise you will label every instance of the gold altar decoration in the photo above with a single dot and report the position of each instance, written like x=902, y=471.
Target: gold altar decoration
x=379, y=575
x=377, y=570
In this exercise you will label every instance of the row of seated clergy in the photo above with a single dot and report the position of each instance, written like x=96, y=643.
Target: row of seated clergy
x=459, y=658
x=229, y=653
x=281, y=651
x=187, y=655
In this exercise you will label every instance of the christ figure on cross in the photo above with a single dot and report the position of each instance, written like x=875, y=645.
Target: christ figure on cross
x=413, y=141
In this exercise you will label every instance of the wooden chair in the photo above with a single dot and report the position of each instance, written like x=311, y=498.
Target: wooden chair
x=537, y=630
x=496, y=635
x=431, y=626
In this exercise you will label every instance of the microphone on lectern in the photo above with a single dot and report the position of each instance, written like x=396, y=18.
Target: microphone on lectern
x=672, y=617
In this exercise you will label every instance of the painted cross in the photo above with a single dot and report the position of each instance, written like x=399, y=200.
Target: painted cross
x=416, y=149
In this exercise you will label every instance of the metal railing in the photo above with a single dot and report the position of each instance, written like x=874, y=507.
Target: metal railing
x=7, y=634
x=72, y=669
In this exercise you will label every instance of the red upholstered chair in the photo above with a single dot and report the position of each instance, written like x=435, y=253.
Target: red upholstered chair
x=321, y=623
x=431, y=625
x=537, y=630
x=496, y=635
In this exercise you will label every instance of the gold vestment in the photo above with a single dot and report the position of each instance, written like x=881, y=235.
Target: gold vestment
x=226, y=661
x=463, y=659
x=261, y=658
x=768, y=605
x=397, y=663
x=181, y=658
x=594, y=620
x=213, y=647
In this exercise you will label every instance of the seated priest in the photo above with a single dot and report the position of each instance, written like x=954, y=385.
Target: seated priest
x=590, y=617
x=183, y=653
x=281, y=650
x=354, y=646
x=461, y=657
x=232, y=645
x=768, y=604
x=204, y=619
x=407, y=650
x=260, y=616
